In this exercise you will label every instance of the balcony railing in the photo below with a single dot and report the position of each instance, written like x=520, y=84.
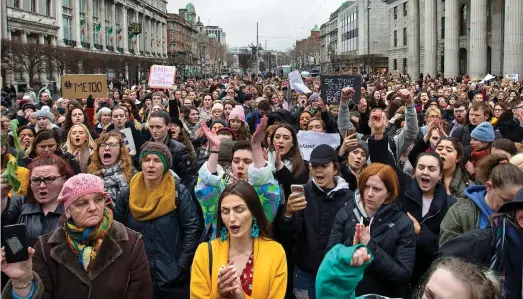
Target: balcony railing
x=147, y=53
x=141, y=52
x=131, y=51
x=98, y=46
x=120, y=49
x=86, y=45
x=110, y=48
x=70, y=42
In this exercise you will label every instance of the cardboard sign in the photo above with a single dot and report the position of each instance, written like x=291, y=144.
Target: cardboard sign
x=162, y=76
x=395, y=74
x=128, y=139
x=308, y=140
x=81, y=86
x=331, y=87
x=514, y=77
x=297, y=83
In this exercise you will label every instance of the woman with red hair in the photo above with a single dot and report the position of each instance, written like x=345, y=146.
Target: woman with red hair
x=375, y=220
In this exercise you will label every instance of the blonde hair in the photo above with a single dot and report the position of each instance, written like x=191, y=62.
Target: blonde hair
x=90, y=144
x=432, y=109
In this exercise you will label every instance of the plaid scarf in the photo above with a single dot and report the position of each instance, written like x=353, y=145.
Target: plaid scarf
x=85, y=242
x=114, y=180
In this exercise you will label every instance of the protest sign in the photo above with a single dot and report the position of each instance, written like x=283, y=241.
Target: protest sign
x=297, y=83
x=308, y=140
x=161, y=76
x=128, y=140
x=81, y=86
x=331, y=87
x=488, y=77
x=395, y=74
x=514, y=77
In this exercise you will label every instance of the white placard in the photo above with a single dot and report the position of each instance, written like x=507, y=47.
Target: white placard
x=128, y=139
x=514, y=77
x=162, y=76
x=297, y=82
x=487, y=78
x=307, y=141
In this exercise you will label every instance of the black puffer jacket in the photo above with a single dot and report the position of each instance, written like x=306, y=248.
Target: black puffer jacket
x=410, y=200
x=310, y=228
x=392, y=244
x=170, y=240
x=19, y=211
x=181, y=160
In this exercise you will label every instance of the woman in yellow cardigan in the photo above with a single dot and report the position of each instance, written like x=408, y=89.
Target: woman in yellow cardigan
x=245, y=262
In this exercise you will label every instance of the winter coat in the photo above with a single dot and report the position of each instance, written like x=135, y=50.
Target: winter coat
x=392, y=244
x=462, y=134
x=18, y=210
x=466, y=214
x=170, y=240
x=511, y=129
x=119, y=271
x=410, y=199
x=181, y=160
x=402, y=141
x=478, y=246
x=310, y=228
x=210, y=186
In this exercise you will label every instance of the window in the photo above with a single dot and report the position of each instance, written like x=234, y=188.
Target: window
x=405, y=9
x=47, y=11
x=96, y=8
x=442, y=27
x=66, y=3
x=171, y=35
x=67, y=27
x=463, y=20
x=33, y=5
x=395, y=64
x=405, y=36
x=395, y=12
x=395, y=38
x=404, y=65
x=108, y=14
x=82, y=6
x=16, y=3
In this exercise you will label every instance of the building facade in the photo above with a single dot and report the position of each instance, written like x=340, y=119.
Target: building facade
x=307, y=54
x=355, y=38
x=181, y=41
x=100, y=26
x=329, y=40
x=218, y=33
x=456, y=37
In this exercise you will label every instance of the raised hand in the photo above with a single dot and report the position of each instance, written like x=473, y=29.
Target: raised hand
x=213, y=139
x=296, y=202
x=20, y=272
x=360, y=257
x=259, y=134
x=347, y=93
x=405, y=95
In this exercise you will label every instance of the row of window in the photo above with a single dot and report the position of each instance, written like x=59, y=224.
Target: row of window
x=405, y=38
x=404, y=11
x=46, y=10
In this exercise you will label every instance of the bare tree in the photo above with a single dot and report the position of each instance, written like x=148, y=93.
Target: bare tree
x=24, y=58
x=245, y=61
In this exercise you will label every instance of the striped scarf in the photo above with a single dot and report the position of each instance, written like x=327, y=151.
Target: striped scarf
x=85, y=242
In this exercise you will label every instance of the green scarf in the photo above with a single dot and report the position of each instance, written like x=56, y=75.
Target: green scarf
x=85, y=242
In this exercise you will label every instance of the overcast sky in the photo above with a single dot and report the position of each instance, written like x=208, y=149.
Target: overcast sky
x=289, y=19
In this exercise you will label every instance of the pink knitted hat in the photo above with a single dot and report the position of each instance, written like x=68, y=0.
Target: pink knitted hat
x=237, y=113
x=80, y=185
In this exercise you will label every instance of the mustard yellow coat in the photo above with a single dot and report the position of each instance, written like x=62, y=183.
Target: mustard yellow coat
x=269, y=277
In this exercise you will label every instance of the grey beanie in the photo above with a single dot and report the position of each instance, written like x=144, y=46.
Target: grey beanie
x=361, y=144
x=44, y=112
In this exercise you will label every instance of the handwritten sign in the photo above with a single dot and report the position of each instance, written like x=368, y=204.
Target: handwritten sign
x=81, y=86
x=128, y=139
x=308, y=140
x=162, y=76
x=331, y=87
x=514, y=77
x=297, y=82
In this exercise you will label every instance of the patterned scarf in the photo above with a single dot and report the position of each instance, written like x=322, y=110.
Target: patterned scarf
x=85, y=242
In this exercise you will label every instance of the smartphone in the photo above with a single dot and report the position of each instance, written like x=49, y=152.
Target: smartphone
x=351, y=131
x=297, y=189
x=15, y=237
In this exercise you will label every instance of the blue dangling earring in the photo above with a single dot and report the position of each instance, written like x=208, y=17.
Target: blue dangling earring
x=223, y=234
x=255, y=229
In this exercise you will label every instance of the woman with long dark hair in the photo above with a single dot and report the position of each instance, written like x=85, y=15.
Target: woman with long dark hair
x=242, y=262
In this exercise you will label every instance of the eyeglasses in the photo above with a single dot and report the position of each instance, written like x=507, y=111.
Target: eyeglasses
x=48, y=180
x=460, y=111
x=498, y=110
x=110, y=145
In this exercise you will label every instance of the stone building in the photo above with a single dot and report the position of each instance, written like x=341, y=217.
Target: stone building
x=100, y=26
x=308, y=51
x=329, y=40
x=456, y=37
x=181, y=40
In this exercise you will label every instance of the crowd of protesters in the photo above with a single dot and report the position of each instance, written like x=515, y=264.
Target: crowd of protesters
x=202, y=190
